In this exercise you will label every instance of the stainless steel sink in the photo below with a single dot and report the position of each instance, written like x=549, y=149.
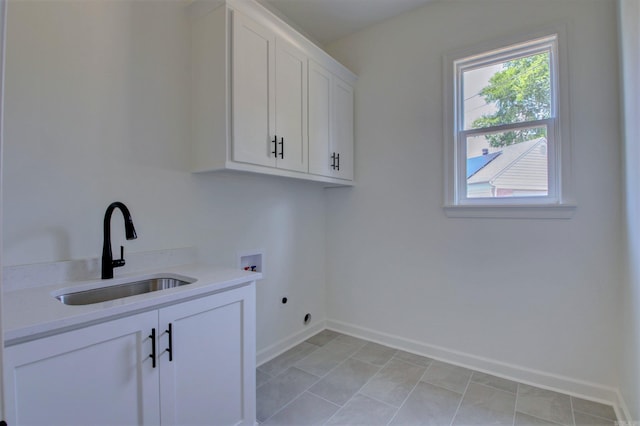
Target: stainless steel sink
x=118, y=291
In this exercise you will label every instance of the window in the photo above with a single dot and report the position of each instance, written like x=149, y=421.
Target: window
x=507, y=149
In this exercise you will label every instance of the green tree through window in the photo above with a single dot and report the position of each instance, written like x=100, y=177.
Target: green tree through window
x=521, y=92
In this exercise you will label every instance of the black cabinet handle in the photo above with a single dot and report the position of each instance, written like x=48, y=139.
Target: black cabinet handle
x=169, y=331
x=152, y=336
x=333, y=161
x=275, y=146
x=281, y=148
x=338, y=160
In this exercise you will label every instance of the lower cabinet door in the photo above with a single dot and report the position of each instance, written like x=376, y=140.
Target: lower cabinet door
x=210, y=377
x=97, y=375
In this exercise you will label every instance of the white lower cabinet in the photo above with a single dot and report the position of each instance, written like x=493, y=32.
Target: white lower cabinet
x=210, y=377
x=104, y=374
x=96, y=375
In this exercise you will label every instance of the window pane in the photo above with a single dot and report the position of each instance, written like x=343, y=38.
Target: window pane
x=509, y=92
x=518, y=169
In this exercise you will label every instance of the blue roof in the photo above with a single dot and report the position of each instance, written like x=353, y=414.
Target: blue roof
x=474, y=164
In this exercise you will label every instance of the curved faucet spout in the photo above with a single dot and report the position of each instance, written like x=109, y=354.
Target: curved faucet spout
x=107, y=257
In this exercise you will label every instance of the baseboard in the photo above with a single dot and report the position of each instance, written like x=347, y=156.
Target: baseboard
x=623, y=413
x=272, y=351
x=558, y=383
x=554, y=382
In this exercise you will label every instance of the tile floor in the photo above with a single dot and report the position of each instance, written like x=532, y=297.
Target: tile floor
x=335, y=379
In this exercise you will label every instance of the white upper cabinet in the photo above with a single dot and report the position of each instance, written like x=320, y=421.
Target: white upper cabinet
x=253, y=79
x=342, y=132
x=330, y=124
x=254, y=88
x=290, y=136
x=320, y=120
x=269, y=106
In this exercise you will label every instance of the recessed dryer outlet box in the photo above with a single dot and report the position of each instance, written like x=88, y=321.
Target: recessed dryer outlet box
x=251, y=260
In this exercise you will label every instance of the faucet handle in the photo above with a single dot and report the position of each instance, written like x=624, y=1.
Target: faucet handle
x=119, y=262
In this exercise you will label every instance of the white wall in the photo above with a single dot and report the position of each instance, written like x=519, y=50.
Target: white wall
x=539, y=294
x=629, y=16
x=97, y=110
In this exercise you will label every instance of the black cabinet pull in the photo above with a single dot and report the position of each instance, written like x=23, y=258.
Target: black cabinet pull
x=333, y=161
x=152, y=336
x=281, y=148
x=275, y=146
x=169, y=331
x=338, y=161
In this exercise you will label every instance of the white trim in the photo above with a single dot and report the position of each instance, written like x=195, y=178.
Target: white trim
x=560, y=202
x=521, y=374
x=622, y=410
x=283, y=345
x=545, y=122
x=567, y=385
x=546, y=45
x=3, y=38
x=515, y=211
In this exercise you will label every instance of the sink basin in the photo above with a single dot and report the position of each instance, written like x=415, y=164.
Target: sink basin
x=118, y=291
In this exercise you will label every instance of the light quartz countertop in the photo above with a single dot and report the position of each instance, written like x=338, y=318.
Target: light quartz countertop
x=35, y=312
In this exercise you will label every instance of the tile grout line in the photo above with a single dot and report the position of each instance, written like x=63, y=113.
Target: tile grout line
x=515, y=406
x=307, y=388
x=329, y=372
x=395, y=358
x=593, y=415
x=409, y=394
x=291, y=365
x=461, y=399
x=375, y=399
x=494, y=387
x=542, y=420
x=413, y=363
x=323, y=398
x=360, y=388
x=296, y=396
x=573, y=411
x=268, y=380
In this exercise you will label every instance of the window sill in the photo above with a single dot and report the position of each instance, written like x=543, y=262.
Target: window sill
x=546, y=211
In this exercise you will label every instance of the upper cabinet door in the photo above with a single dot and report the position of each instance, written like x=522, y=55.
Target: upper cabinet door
x=342, y=129
x=291, y=107
x=320, y=155
x=330, y=124
x=253, y=103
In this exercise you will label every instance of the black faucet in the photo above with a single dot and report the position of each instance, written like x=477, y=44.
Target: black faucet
x=107, y=257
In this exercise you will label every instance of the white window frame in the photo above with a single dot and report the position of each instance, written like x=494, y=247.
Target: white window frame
x=559, y=202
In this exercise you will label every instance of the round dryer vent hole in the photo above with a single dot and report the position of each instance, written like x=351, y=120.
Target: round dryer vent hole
x=307, y=319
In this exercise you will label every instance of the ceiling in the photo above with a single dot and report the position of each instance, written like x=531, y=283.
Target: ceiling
x=329, y=20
